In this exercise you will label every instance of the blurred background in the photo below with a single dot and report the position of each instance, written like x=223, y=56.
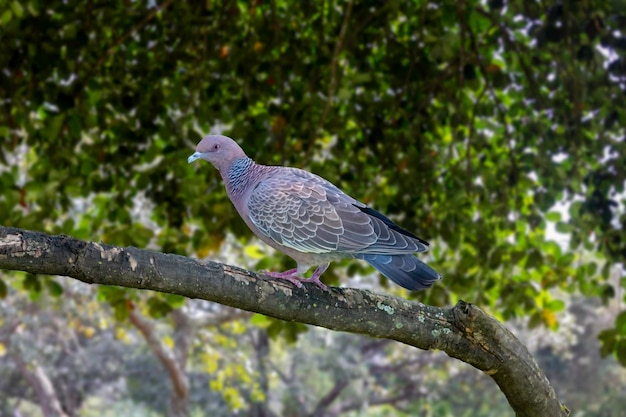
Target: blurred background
x=493, y=129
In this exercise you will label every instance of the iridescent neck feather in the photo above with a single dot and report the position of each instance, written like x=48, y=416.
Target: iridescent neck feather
x=239, y=175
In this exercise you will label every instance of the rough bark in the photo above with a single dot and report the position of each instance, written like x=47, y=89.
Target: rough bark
x=464, y=331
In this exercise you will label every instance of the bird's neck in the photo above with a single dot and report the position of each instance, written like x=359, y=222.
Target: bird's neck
x=239, y=176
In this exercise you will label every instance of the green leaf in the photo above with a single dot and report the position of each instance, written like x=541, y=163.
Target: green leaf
x=260, y=320
x=607, y=293
x=6, y=17
x=33, y=7
x=112, y=294
x=3, y=289
x=534, y=259
x=175, y=300
x=564, y=227
x=54, y=288
x=555, y=305
x=68, y=226
x=553, y=216
x=620, y=323
x=361, y=78
x=535, y=321
x=607, y=340
x=32, y=283
x=17, y=8
x=496, y=258
x=157, y=308
x=274, y=329
x=620, y=351
x=566, y=260
x=120, y=309
x=141, y=235
x=53, y=126
x=591, y=269
x=292, y=330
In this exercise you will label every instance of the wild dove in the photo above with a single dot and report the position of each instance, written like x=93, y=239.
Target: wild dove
x=313, y=221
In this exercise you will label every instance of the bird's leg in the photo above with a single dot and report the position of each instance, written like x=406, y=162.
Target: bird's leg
x=315, y=278
x=289, y=275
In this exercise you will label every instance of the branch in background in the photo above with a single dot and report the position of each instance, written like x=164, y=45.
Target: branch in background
x=184, y=333
x=41, y=384
x=464, y=332
x=327, y=400
x=175, y=370
x=34, y=375
x=174, y=360
x=355, y=406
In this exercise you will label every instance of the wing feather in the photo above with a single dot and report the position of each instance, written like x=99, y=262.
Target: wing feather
x=305, y=212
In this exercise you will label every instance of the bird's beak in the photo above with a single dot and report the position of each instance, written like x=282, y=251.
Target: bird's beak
x=194, y=156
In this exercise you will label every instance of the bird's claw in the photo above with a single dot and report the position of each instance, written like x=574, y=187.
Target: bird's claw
x=317, y=282
x=291, y=276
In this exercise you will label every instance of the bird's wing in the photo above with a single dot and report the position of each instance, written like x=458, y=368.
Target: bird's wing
x=297, y=211
x=305, y=212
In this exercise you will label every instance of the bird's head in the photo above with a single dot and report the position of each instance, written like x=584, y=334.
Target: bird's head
x=219, y=150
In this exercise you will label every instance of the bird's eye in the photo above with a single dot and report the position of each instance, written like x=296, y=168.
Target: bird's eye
x=215, y=147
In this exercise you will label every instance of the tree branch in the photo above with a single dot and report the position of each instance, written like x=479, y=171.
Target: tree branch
x=34, y=375
x=328, y=399
x=356, y=405
x=42, y=385
x=464, y=332
x=176, y=370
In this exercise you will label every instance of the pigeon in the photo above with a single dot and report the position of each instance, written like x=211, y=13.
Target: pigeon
x=312, y=221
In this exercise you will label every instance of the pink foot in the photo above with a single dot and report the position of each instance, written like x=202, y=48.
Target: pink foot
x=289, y=275
x=315, y=278
x=286, y=273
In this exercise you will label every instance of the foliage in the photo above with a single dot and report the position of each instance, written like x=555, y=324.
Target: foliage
x=445, y=113
x=465, y=122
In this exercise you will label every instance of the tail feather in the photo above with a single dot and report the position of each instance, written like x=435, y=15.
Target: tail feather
x=405, y=270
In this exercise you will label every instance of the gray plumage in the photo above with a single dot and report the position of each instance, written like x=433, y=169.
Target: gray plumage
x=313, y=221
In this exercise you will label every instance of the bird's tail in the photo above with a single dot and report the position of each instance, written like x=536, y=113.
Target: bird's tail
x=405, y=270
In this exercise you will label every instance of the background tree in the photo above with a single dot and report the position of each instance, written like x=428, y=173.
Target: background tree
x=466, y=123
